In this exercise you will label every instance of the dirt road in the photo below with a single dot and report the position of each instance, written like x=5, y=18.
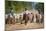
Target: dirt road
x=12, y=27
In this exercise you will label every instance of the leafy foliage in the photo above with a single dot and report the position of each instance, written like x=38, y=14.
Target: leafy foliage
x=18, y=6
x=40, y=7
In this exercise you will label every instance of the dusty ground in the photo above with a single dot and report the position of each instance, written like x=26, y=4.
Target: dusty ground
x=12, y=27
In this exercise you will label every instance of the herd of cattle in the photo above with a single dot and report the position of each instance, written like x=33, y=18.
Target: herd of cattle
x=16, y=18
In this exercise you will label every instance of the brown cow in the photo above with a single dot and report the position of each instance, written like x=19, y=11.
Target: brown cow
x=10, y=20
x=26, y=18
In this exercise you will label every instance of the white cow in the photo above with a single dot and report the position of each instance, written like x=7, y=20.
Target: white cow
x=39, y=18
x=31, y=17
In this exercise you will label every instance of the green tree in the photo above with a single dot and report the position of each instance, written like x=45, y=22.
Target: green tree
x=40, y=7
x=18, y=6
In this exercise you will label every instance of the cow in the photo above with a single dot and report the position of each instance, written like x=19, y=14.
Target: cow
x=39, y=18
x=25, y=17
x=21, y=18
x=31, y=17
x=9, y=19
x=6, y=18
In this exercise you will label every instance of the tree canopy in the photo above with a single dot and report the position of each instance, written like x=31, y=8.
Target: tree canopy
x=40, y=7
x=18, y=6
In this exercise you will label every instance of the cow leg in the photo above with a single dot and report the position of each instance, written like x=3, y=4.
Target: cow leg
x=42, y=20
x=30, y=21
x=13, y=21
x=9, y=22
x=32, y=18
x=20, y=21
x=6, y=21
x=25, y=22
x=37, y=20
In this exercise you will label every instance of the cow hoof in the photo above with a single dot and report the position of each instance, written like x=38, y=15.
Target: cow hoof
x=21, y=23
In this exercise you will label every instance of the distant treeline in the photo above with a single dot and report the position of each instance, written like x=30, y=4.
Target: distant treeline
x=19, y=6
